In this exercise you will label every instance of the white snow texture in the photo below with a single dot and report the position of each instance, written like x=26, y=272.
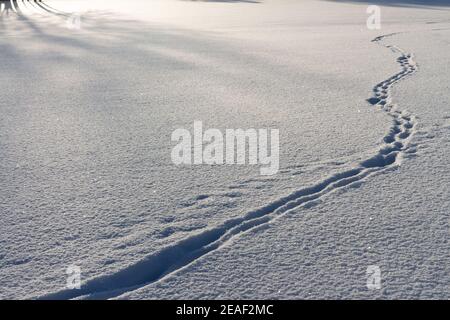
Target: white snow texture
x=91, y=92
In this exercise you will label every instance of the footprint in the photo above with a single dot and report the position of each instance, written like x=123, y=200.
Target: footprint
x=373, y=101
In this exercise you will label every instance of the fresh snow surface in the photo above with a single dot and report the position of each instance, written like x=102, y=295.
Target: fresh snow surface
x=86, y=177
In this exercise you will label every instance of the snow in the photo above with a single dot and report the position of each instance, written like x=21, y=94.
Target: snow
x=85, y=142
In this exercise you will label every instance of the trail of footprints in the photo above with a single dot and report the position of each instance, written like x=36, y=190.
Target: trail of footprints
x=403, y=123
x=171, y=259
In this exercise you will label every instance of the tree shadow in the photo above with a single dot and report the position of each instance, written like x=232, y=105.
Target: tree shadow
x=15, y=7
x=8, y=7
